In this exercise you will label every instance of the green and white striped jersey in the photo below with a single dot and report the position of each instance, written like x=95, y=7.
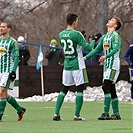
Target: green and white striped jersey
x=9, y=55
x=72, y=42
x=110, y=44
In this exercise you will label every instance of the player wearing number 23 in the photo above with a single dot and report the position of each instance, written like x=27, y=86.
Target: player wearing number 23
x=74, y=72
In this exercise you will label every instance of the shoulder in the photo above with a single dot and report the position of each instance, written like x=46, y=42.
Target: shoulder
x=12, y=39
x=62, y=32
x=116, y=36
x=77, y=32
x=115, y=33
x=14, y=42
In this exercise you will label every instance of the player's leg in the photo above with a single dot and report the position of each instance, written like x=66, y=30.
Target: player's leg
x=59, y=102
x=10, y=99
x=114, y=76
x=67, y=81
x=107, y=99
x=110, y=76
x=2, y=101
x=79, y=102
x=20, y=110
x=115, y=102
x=3, y=93
x=80, y=78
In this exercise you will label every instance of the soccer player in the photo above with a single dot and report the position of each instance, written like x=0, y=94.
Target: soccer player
x=74, y=72
x=110, y=44
x=129, y=58
x=9, y=57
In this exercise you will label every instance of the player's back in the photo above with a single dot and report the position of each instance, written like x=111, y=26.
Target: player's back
x=69, y=40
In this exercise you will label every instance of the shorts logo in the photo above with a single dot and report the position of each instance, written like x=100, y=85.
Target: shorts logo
x=2, y=51
x=106, y=46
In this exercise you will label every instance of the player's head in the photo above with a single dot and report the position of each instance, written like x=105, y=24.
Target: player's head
x=118, y=22
x=5, y=27
x=115, y=22
x=72, y=19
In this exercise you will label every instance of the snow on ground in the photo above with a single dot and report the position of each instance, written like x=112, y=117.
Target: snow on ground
x=90, y=94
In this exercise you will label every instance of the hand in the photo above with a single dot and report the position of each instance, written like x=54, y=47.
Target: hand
x=97, y=36
x=102, y=58
x=84, y=58
x=83, y=33
x=12, y=76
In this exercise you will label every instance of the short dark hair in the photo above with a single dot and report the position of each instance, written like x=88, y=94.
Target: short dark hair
x=7, y=23
x=71, y=18
x=119, y=23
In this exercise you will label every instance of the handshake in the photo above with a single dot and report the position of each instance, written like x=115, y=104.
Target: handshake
x=95, y=37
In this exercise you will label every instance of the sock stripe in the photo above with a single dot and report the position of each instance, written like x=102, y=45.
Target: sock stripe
x=115, y=99
x=79, y=94
x=108, y=95
x=62, y=93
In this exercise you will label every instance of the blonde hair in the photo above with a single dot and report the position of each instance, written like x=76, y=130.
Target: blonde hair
x=119, y=22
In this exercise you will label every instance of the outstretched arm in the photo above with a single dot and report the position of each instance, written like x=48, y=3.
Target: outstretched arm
x=98, y=48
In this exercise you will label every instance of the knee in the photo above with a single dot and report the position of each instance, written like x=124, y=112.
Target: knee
x=105, y=89
x=106, y=86
x=80, y=88
x=65, y=89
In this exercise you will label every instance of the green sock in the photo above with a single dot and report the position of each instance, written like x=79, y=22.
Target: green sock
x=107, y=100
x=11, y=100
x=115, y=106
x=2, y=106
x=59, y=102
x=79, y=103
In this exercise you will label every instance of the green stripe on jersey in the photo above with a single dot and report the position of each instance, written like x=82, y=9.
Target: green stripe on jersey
x=112, y=75
x=8, y=50
x=85, y=76
x=111, y=42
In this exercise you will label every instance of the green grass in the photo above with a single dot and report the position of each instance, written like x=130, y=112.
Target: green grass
x=38, y=119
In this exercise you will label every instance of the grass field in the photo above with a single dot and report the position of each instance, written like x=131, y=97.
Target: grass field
x=38, y=119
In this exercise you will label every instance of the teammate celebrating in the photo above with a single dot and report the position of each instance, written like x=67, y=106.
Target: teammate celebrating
x=9, y=57
x=110, y=43
x=74, y=72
